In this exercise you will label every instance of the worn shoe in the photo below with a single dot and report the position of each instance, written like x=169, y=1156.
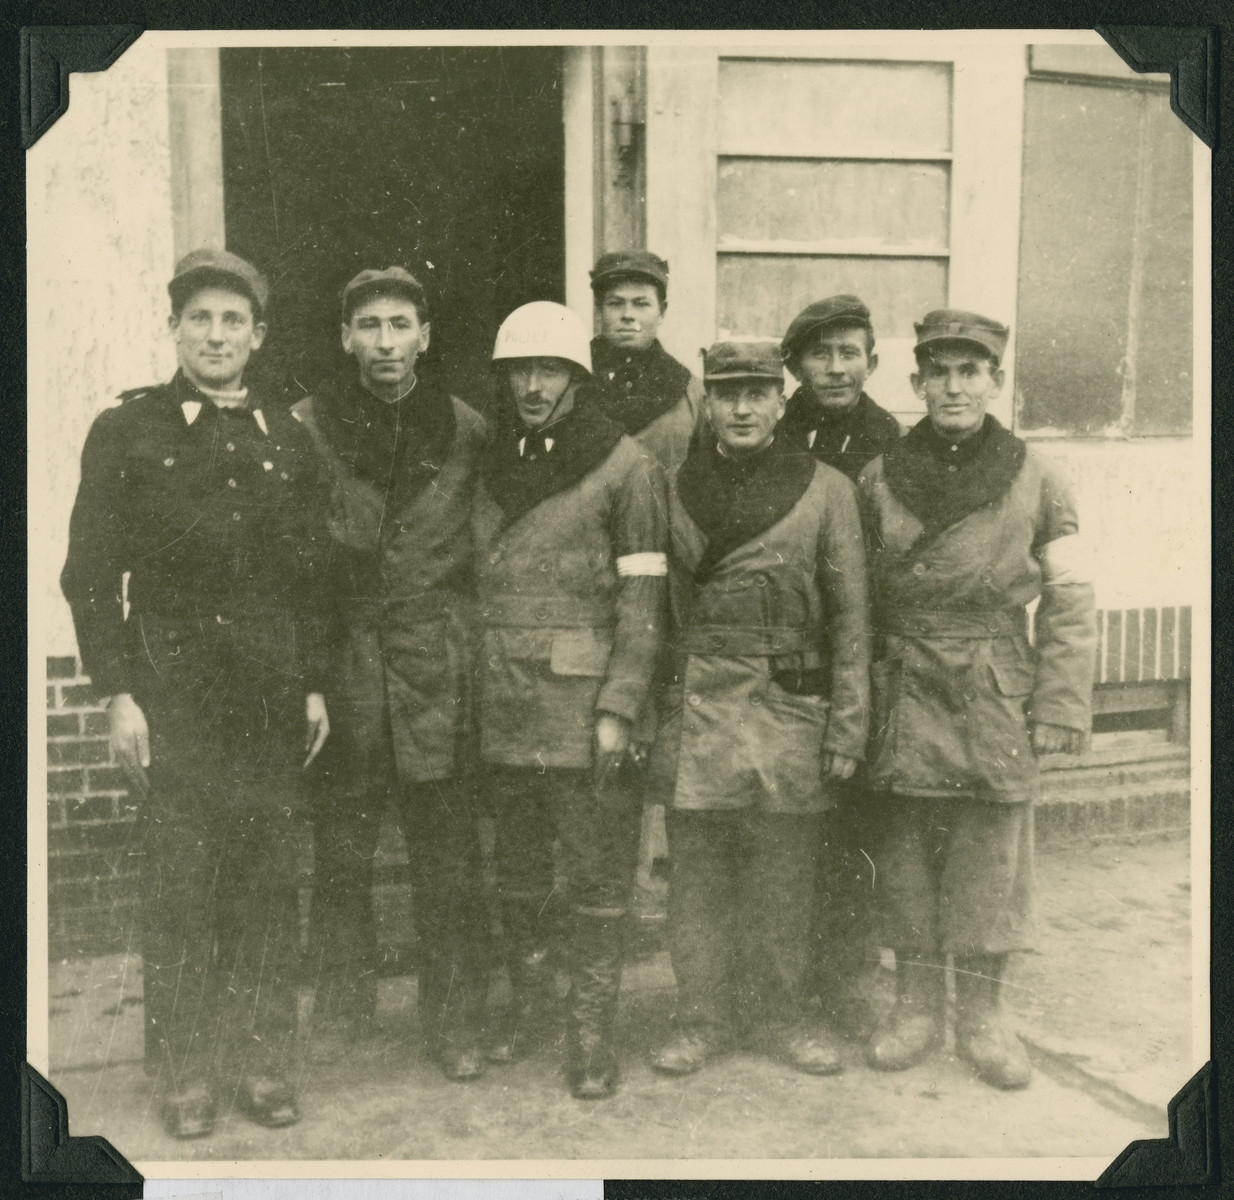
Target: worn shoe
x=915, y=1026
x=997, y=1055
x=190, y=1112
x=981, y=1037
x=685, y=1053
x=906, y=1039
x=810, y=1050
x=267, y=1100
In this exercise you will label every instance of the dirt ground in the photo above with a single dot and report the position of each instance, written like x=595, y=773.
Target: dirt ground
x=1105, y=1007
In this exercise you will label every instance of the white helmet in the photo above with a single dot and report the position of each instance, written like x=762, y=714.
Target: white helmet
x=543, y=329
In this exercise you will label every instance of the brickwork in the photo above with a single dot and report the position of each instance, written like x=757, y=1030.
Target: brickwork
x=92, y=870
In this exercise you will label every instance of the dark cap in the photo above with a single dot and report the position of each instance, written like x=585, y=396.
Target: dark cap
x=206, y=267
x=629, y=264
x=748, y=358
x=373, y=283
x=955, y=325
x=835, y=310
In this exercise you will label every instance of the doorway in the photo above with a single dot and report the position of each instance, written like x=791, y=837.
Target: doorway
x=446, y=160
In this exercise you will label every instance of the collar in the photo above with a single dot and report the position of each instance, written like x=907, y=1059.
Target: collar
x=192, y=399
x=411, y=387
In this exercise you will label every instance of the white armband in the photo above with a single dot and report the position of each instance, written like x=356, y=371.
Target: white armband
x=1065, y=560
x=650, y=562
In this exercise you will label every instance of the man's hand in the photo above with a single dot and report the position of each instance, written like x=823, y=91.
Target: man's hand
x=130, y=737
x=318, y=724
x=612, y=742
x=838, y=766
x=612, y=734
x=1056, y=739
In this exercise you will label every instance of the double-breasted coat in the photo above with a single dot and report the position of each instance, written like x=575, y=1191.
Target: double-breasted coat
x=737, y=733
x=956, y=679
x=572, y=619
x=404, y=596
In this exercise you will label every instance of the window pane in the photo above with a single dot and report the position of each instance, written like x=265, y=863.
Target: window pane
x=1163, y=379
x=1075, y=254
x=759, y=294
x=892, y=203
x=1085, y=363
x=825, y=108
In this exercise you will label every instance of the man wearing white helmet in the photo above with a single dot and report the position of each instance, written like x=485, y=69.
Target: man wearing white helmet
x=570, y=542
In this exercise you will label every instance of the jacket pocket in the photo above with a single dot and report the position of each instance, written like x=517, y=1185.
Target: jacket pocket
x=580, y=652
x=1012, y=678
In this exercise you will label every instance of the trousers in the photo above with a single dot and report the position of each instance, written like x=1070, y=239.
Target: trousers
x=845, y=937
x=597, y=828
x=438, y=821
x=218, y=833
x=741, y=893
x=956, y=876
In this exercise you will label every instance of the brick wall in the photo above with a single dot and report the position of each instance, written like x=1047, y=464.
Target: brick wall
x=92, y=873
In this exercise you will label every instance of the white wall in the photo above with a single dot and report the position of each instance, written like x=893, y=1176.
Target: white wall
x=99, y=255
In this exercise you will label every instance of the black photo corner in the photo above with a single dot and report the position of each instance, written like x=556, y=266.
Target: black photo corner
x=50, y=43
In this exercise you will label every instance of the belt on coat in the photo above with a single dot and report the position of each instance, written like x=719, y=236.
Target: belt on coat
x=748, y=641
x=426, y=605
x=533, y=612
x=973, y=624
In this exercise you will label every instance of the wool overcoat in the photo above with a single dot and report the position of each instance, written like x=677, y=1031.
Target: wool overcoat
x=791, y=600
x=405, y=619
x=566, y=630
x=956, y=679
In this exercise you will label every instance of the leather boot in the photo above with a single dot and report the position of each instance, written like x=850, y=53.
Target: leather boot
x=981, y=1037
x=597, y=947
x=915, y=1026
x=523, y=1027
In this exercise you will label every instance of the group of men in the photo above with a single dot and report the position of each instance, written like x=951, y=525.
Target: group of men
x=802, y=633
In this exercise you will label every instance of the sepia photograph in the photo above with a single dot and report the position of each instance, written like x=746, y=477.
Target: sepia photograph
x=619, y=604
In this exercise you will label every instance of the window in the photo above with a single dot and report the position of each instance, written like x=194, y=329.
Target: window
x=1105, y=329
x=832, y=176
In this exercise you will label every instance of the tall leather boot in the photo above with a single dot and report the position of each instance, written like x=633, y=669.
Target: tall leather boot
x=597, y=948
x=915, y=1026
x=981, y=1036
x=525, y=1025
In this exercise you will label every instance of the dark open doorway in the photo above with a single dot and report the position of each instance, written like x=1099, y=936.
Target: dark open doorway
x=449, y=161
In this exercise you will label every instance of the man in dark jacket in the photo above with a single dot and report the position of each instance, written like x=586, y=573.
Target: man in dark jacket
x=401, y=454
x=645, y=390
x=212, y=502
x=768, y=588
x=569, y=525
x=966, y=526
x=830, y=347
